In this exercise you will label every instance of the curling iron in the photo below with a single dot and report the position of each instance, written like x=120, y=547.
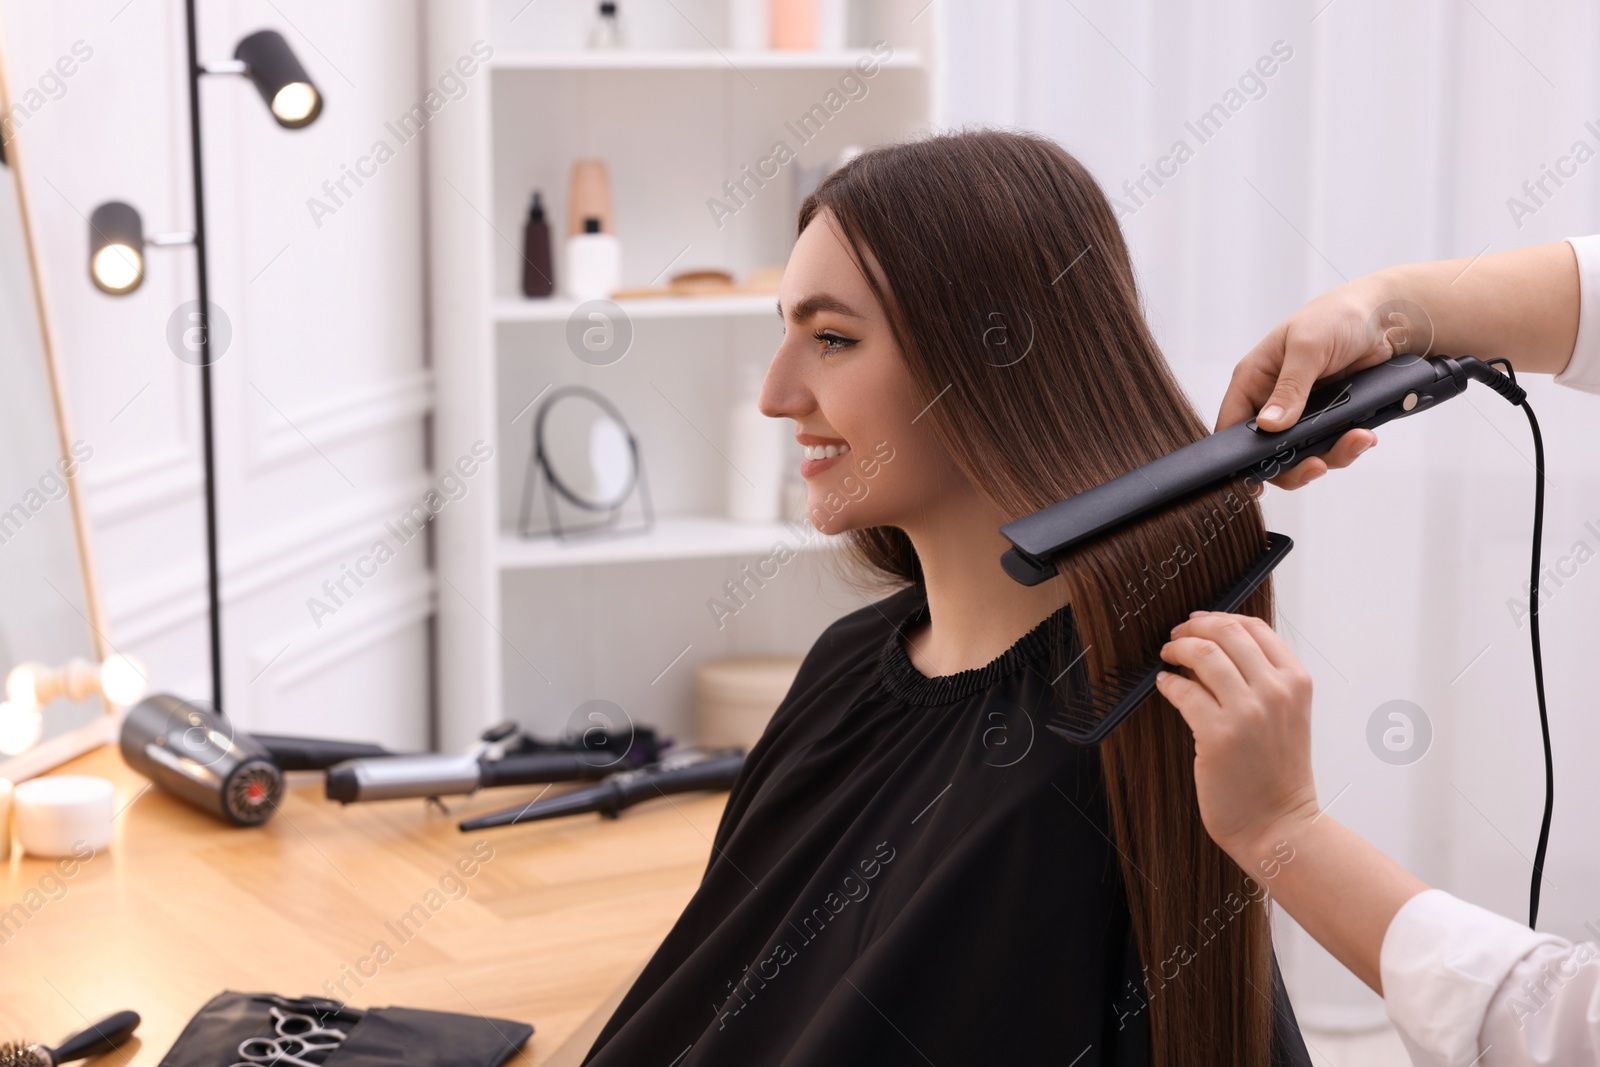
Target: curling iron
x=1405, y=385
x=685, y=772
x=502, y=756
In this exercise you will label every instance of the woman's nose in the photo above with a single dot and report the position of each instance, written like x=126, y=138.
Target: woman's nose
x=783, y=392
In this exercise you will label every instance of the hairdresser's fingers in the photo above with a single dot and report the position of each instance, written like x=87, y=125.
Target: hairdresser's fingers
x=1307, y=356
x=1349, y=448
x=1233, y=637
x=1254, y=378
x=1344, y=452
x=1301, y=474
x=1272, y=645
x=1193, y=701
x=1211, y=666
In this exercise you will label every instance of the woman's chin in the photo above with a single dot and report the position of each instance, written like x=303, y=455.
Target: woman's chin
x=831, y=514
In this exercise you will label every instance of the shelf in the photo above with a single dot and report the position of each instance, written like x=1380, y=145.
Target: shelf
x=697, y=59
x=672, y=538
x=557, y=309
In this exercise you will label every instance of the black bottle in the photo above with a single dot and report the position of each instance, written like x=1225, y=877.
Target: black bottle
x=538, y=274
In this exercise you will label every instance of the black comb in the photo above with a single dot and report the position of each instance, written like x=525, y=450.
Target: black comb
x=1090, y=714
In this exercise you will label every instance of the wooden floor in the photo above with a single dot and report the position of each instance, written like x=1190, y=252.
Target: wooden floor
x=557, y=917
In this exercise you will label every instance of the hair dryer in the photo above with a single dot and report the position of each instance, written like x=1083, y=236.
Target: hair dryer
x=198, y=756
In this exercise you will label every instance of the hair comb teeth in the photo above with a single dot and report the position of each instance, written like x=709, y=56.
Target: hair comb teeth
x=1091, y=712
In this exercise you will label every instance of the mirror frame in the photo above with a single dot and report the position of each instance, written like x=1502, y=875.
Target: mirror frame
x=56, y=750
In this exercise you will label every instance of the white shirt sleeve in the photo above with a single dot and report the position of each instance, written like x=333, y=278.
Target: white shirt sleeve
x=1583, y=369
x=1466, y=986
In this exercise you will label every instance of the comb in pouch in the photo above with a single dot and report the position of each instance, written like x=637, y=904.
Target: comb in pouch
x=1090, y=713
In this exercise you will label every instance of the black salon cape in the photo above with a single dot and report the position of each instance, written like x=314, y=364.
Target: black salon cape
x=909, y=871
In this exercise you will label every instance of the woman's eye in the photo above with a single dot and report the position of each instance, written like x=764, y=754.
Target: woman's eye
x=833, y=342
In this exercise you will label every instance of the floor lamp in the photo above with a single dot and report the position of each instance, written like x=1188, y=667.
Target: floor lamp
x=117, y=243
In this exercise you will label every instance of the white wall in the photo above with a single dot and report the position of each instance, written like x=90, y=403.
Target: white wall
x=322, y=396
x=1395, y=132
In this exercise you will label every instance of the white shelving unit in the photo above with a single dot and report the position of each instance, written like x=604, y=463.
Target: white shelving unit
x=533, y=628
x=558, y=309
x=693, y=59
x=692, y=537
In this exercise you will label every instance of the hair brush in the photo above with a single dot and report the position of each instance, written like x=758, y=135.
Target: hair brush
x=107, y=1035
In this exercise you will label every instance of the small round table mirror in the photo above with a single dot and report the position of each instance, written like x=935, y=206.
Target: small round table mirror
x=585, y=454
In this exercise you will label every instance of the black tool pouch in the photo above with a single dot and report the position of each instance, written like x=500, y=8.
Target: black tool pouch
x=376, y=1035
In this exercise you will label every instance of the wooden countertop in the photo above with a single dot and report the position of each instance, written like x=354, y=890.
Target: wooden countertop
x=549, y=930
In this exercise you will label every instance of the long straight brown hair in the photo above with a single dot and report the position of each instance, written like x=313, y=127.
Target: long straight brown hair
x=1009, y=289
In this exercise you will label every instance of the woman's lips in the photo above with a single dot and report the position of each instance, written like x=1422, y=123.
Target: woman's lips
x=817, y=461
x=810, y=468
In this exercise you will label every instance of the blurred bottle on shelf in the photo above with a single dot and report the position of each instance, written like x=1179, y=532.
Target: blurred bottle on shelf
x=756, y=451
x=607, y=29
x=594, y=264
x=809, y=25
x=538, y=273
x=589, y=196
x=794, y=25
x=749, y=25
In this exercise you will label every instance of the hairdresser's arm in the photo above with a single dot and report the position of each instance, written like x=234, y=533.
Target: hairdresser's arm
x=1522, y=306
x=1257, y=798
x=1457, y=980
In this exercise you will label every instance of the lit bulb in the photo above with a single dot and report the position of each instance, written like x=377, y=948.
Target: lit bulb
x=22, y=685
x=122, y=680
x=20, y=727
x=295, y=103
x=118, y=268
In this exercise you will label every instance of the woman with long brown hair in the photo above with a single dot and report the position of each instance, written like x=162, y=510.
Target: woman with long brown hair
x=911, y=869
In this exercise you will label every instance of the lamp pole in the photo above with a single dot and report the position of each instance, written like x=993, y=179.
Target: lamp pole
x=208, y=446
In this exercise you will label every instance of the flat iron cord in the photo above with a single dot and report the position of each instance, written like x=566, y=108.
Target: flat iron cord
x=1533, y=629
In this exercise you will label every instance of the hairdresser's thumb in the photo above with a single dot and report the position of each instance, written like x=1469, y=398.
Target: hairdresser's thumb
x=1283, y=407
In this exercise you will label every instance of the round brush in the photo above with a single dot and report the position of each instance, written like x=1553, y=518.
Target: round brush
x=104, y=1036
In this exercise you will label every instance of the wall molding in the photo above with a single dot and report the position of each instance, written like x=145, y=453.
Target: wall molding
x=270, y=441
x=177, y=595
x=163, y=477
x=369, y=622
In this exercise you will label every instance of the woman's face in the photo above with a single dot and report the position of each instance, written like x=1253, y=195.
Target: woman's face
x=842, y=378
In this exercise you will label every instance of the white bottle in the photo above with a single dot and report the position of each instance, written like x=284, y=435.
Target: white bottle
x=833, y=25
x=749, y=25
x=607, y=29
x=594, y=263
x=756, y=452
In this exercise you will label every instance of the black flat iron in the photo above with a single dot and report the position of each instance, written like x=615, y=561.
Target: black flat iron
x=1405, y=385
x=1402, y=386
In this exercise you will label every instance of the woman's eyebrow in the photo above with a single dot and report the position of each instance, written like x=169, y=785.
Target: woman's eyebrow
x=811, y=305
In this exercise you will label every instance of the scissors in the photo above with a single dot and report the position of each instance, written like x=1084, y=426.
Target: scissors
x=298, y=1036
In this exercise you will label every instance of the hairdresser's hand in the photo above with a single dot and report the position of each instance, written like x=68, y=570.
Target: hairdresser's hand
x=1248, y=701
x=1336, y=334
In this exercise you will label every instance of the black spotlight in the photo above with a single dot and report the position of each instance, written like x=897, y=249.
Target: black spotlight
x=116, y=248
x=280, y=79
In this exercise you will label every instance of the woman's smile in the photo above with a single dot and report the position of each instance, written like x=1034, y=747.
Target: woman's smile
x=821, y=453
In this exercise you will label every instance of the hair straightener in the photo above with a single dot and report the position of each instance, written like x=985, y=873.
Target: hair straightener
x=1403, y=386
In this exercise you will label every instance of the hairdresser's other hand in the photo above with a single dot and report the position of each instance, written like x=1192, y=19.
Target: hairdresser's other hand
x=1336, y=334
x=1248, y=701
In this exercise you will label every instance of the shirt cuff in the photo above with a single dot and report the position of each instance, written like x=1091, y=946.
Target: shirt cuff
x=1583, y=369
x=1441, y=963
